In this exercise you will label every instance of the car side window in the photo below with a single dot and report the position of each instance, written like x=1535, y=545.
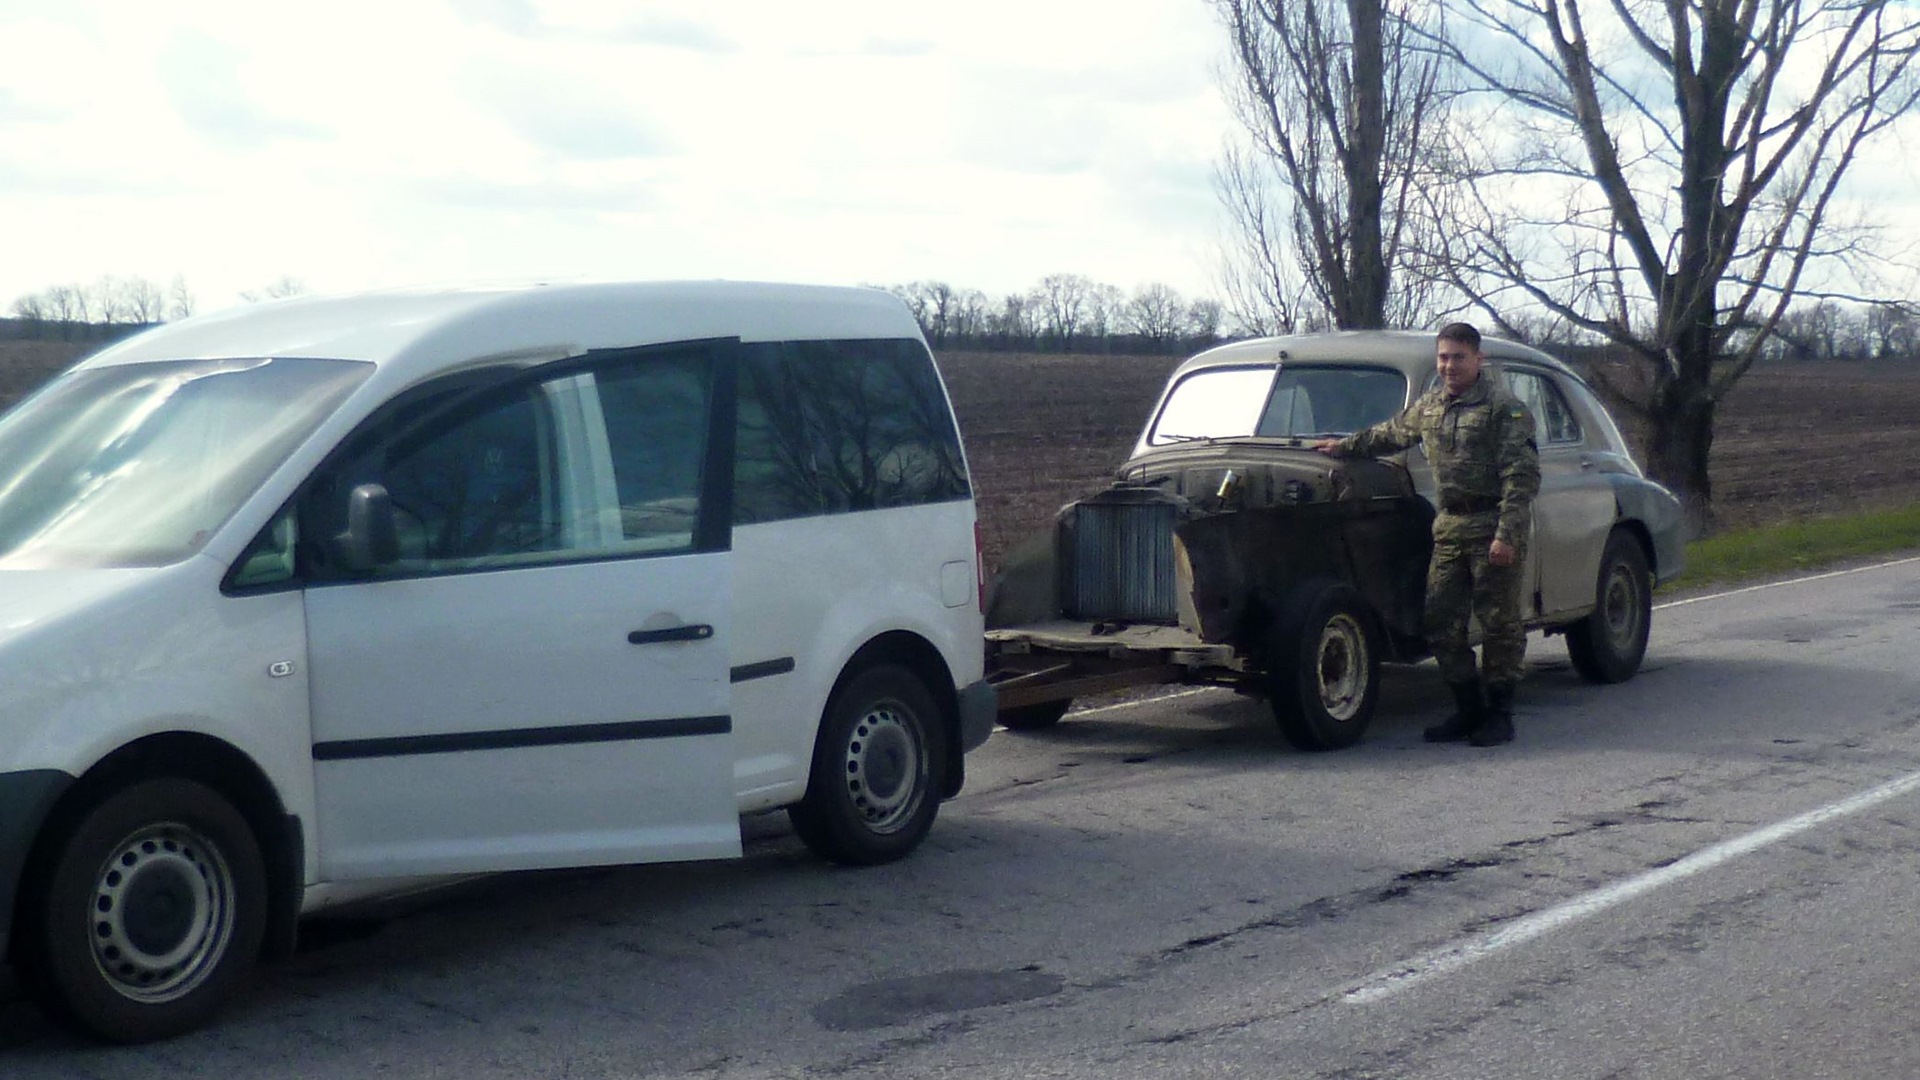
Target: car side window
x=1553, y=420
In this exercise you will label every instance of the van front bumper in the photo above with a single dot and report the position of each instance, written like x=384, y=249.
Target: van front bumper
x=25, y=800
x=979, y=711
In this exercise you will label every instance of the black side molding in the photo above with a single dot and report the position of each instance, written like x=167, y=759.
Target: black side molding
x=761, y=670
x=520, y=738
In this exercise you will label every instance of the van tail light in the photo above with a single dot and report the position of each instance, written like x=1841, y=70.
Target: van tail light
x=980, y=566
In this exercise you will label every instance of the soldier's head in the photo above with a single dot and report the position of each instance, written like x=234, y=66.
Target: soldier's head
x=1458, y=357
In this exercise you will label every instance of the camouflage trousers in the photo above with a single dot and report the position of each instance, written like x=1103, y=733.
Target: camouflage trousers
x=1462, y=582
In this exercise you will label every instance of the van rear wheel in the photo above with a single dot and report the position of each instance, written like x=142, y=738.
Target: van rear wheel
x=871, y=796
x=151, y=909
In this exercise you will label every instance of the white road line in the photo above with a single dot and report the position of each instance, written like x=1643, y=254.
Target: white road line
x=1788, y=581
x=1452, y=958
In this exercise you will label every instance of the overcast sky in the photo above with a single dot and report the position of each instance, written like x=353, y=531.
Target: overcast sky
x=361, y=143
x=355, y=144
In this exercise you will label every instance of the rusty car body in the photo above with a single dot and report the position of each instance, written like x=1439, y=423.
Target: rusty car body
x=1228, y=551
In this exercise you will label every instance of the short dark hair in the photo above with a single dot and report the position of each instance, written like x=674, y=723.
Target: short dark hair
x=1464, y=333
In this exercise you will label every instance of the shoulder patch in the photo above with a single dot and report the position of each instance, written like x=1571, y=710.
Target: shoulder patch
x=1517, y=413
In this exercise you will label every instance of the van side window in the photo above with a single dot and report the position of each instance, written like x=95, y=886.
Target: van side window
x=829, y=427
x=475, y=483
x=481, y=490
x=656, y=412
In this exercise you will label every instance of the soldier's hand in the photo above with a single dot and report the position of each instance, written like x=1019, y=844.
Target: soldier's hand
x=1501, y=553
x=1327, y=447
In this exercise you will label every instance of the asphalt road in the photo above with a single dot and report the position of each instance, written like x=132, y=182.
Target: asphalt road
x=1709, y=871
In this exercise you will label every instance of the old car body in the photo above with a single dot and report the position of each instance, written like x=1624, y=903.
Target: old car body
x=1229, y=550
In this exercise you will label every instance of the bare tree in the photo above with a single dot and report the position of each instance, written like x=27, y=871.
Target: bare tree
x=278, y=289
x=1336, y=104
x=180, y=300
x=1061, y=302
x=1157, y=314
x=1663, y=173
x=1204, y=319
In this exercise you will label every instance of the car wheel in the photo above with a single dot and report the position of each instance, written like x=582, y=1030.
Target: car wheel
x=151, y=909
x=1608, y=645
x=1033, y=717
x=1323, y=674
x=871, y=797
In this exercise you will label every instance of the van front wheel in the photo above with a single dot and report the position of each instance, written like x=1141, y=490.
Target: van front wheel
x=151, y=909
x=871, y=797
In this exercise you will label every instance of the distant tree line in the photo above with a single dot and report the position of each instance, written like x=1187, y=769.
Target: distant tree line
x=114, y=306
x=1064, y=313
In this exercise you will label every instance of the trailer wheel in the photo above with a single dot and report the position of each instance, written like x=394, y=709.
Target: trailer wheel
x=1323, y=670
x=1042, y=714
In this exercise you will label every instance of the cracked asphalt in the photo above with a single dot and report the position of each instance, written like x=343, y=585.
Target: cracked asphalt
x=1164, y=889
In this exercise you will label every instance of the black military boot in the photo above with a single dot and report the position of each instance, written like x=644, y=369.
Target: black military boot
x=1469, y=713
x=1499, y=726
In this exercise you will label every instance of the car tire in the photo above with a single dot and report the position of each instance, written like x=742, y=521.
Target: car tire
x=872, y=794
x=1034, y=717
x=1323, y=668
x=1608, y=645
x=149, y=911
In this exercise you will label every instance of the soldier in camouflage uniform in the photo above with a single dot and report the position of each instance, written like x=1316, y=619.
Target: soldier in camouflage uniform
x=1479, y=440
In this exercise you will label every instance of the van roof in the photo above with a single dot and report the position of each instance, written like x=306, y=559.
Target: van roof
x=428, y=328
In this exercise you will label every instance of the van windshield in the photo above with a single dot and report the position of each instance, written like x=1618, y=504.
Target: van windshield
x=138, y=464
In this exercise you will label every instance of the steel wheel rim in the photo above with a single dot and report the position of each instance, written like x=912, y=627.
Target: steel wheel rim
x=162, y=913
x=1340, y=667
x=1621, y=611
x=884, y=766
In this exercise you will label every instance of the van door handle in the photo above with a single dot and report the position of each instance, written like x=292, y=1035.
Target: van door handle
x=690, y=632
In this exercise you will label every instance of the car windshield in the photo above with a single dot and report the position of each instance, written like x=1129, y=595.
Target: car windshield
x=138, y=464
x=1232, y=403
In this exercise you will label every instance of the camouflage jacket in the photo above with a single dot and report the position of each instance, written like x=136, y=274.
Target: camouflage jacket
x=1481, y=447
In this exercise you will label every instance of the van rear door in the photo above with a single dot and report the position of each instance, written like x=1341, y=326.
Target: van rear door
x=540, y=678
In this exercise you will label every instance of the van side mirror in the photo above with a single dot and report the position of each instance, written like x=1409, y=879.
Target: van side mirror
x=371, y=539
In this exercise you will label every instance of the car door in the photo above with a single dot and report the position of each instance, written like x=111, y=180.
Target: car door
x=1575, y=508
x=540, y=678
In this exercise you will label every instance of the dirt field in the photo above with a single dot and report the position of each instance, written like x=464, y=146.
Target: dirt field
x=1044, y=429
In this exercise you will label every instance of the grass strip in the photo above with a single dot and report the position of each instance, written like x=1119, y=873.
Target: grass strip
x=1775, y=550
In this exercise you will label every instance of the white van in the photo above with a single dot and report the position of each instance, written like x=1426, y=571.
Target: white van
x=307, y=601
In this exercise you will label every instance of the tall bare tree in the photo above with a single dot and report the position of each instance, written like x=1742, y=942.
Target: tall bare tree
x=1335, y=102
x=1664, y=174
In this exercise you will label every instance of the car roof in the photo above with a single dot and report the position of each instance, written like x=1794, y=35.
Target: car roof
x=1410, y=351
x=422, y=330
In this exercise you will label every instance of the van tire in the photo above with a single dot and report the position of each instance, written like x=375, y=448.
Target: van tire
x=1323, y=667
x=150, y=911
x=872, y=795
x=1608, y=645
